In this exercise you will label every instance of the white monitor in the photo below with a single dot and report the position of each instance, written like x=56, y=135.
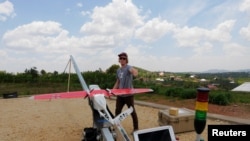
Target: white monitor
x=161, y=133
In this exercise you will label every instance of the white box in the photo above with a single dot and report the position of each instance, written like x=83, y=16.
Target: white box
x=174, y=111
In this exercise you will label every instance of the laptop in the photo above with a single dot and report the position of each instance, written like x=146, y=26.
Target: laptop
x=161, y=133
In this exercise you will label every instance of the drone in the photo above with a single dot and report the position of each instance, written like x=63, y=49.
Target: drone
x=105, y=124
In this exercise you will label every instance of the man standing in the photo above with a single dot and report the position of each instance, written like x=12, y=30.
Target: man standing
x=124, y=79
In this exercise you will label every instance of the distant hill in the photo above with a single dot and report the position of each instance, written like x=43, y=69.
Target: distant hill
x=208, y=71
x=223, y=71
x=141, y=70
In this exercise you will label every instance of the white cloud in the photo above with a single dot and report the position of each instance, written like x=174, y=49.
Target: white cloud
x=79, y=4
x=3, y=54
x=245, y=32
x=39, y=37
x=84, y=13
x=189, y=37
x=154, y=29
x=182, y=12
x=235, y=50
x=97, y=41
x=117, y=20
x=196, y=36
x=204, y=48
x=6, y=10
x=222, y=32
x=245, y=6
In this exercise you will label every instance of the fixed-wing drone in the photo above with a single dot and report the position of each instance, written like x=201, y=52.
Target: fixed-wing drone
x=104, y=121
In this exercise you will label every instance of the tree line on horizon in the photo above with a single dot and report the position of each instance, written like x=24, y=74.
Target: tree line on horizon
x=32, y=81
x=33, y=75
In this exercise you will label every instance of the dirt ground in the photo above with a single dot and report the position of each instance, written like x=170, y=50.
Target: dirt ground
x=234, y=110
x=22, y=119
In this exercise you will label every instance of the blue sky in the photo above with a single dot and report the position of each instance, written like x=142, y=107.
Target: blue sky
x=158, y=35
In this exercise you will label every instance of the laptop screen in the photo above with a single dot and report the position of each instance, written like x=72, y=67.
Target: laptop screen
x=162, y=133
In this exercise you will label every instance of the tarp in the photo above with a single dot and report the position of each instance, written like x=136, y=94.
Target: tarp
x=245, y=87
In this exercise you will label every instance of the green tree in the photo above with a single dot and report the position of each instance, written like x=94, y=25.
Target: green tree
x=32, y=74
x=43, y=72
x=112, y=69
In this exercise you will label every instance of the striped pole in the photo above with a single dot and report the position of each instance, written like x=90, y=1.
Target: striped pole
x=201, y=108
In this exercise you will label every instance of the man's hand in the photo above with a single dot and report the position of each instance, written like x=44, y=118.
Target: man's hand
x=134, y=71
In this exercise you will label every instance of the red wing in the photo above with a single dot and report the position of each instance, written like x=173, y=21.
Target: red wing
x=83, y=94
x=61, y=95
x=130, y=91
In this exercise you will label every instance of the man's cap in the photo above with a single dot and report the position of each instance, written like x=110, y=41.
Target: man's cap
x=123, y=54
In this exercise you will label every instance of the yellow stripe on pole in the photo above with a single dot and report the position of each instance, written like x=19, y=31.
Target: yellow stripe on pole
x=202, y=106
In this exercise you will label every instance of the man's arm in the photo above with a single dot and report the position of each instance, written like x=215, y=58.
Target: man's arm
x=116, y=84
x=134, y=71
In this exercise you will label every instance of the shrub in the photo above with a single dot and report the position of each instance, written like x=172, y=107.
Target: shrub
x=220, y=98
x=181, y=93
x=188, y=94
